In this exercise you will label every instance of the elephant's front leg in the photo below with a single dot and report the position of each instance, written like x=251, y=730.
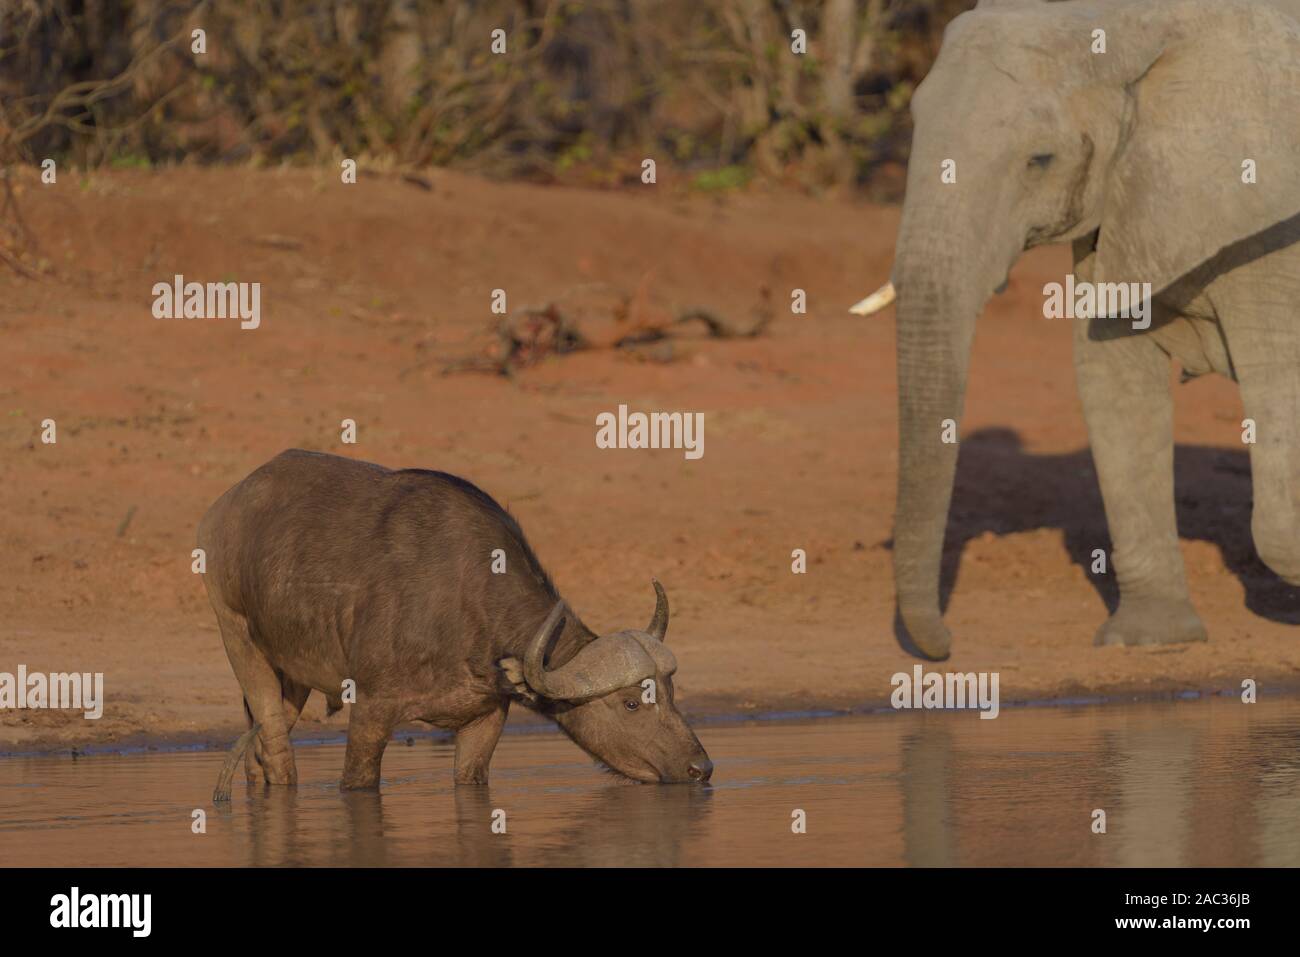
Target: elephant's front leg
x=1124, y=385
x=1264, y=340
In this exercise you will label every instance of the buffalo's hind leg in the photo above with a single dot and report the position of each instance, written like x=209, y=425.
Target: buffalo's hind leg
x=263, y=699
x=370, y=725
x=293, y=697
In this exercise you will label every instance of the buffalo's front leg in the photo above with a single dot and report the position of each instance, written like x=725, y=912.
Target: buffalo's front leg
x=370, y=725
x=475, y=743
x=1124, y=385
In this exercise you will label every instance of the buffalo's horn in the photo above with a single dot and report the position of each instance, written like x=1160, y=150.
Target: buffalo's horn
x=659, y=623
x=664, y=660
x=601, y=666
x=875, y=302
x=534, y=669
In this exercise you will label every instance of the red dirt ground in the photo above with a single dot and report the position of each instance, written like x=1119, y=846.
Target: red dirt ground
x=391, y=280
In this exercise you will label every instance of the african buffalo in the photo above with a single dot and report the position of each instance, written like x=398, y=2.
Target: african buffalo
x=324, y=570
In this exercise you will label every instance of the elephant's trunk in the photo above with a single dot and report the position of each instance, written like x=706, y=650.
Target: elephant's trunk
x=939, y=299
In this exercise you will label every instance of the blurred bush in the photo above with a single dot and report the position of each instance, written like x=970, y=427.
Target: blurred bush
x=584, y=91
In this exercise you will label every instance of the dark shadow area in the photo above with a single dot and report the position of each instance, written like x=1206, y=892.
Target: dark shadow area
x=1001, y=489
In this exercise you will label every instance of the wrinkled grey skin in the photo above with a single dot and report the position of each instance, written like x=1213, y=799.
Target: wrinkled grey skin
x=322, y=568
x=1135, y=157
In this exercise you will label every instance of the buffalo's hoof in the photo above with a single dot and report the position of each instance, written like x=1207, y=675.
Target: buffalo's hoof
x=1151, y=623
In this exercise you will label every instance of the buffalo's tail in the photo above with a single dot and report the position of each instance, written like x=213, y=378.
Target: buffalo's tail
x=221, y=792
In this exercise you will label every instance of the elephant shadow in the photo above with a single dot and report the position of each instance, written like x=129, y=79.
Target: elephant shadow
x=1001, y=489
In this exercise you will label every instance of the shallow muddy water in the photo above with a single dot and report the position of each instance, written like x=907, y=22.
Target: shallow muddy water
x=1204, y=782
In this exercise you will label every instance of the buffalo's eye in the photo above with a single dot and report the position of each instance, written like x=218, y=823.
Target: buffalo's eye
x=632, y=705
x=1041, y=160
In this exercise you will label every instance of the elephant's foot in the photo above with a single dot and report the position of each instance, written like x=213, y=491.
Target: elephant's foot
x=1151, y=622
x=927, y=633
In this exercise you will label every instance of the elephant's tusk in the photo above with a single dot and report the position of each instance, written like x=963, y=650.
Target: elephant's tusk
x=875, y=302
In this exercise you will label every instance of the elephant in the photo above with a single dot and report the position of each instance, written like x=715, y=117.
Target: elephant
x=1159, y=138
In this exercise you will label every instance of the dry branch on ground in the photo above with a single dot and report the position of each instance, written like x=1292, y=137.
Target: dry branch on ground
x=599, y=317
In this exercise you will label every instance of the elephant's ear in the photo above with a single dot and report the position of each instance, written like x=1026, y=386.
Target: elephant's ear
x=1215, y=95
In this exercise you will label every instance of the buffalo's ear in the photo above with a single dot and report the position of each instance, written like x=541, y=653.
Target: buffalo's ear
x=1215, y=91
x=512, y=680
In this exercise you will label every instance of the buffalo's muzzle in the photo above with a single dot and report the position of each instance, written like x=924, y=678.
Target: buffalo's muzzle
x=701, y=769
